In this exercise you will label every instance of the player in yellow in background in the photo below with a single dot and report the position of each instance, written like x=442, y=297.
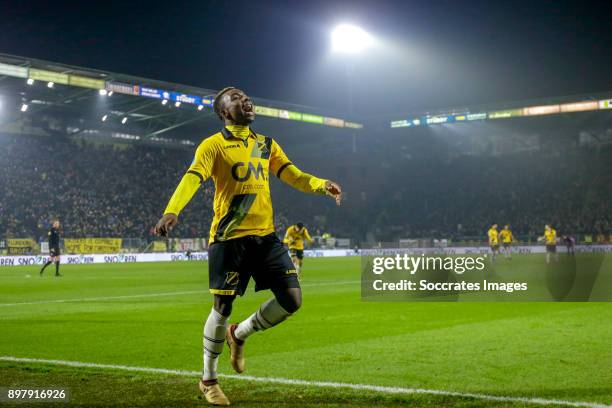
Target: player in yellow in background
x=550, y=238
x=507, y=240
x=243, y=243
x=294, y=238
x=493, y=235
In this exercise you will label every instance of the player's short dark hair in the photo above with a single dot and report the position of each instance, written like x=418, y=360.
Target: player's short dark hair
x=300, y=224
x=218, y=99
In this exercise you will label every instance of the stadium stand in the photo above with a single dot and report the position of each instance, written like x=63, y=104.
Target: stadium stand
x=104, y=190
x=106, y=165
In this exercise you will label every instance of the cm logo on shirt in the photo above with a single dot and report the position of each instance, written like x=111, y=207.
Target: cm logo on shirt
x=250, y=170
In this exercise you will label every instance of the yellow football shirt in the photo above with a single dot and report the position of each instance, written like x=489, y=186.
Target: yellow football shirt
x=493, y=236
x=506, y=236
x=551, y=236
x=295, y=239
x=239, y=162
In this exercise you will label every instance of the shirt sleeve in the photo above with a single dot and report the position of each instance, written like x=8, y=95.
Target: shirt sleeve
x=307, y=235
x=204, y=160
x=198, y=172
x=288, y=173
x=183, y=194
x=287, y=238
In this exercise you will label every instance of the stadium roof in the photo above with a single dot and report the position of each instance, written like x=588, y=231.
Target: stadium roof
x=529, y=108
x=133, y=107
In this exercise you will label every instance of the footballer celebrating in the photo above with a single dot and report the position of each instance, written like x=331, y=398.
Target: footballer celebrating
x=294, y=238
x=507, y=240
x=54, y=248
x=493, y=235
x=242, y=240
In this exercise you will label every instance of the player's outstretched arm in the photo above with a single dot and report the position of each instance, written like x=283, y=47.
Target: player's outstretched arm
x=308, y=183
x=165, y=224
x=334, y=190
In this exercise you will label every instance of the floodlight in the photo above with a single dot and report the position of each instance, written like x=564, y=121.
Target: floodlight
x=350, y=39
x=104, y=118
x=124, y=120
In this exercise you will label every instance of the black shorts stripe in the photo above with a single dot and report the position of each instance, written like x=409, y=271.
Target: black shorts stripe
x=197, y=174
x=283, y=167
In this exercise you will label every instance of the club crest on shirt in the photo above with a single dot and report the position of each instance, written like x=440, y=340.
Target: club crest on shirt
x=261, y=145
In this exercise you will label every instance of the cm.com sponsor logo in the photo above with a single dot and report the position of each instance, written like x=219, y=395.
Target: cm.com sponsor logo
x=250, y=170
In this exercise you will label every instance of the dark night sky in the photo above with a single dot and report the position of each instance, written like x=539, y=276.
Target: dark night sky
x=431, y=54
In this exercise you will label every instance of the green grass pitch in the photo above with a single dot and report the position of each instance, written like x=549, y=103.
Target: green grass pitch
x=95, y=314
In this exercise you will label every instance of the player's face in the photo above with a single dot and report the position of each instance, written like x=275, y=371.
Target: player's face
x=238, y=107
x=56, y=224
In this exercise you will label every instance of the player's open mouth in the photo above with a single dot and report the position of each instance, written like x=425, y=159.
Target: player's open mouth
x=248, y=109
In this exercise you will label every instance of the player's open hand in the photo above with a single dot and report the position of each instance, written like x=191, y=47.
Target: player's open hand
x=334, y=190
x=166, y=224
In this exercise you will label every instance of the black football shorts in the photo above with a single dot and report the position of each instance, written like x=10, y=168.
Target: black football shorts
x=298, y=253
x=232, y=263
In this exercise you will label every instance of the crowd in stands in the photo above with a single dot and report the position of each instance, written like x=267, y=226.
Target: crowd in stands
x=96, y=191
x=120, y=191
x=464, y=196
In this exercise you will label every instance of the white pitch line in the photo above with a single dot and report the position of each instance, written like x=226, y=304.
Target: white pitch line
x=321, y=384
x=42, y=302
x=145, y=295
